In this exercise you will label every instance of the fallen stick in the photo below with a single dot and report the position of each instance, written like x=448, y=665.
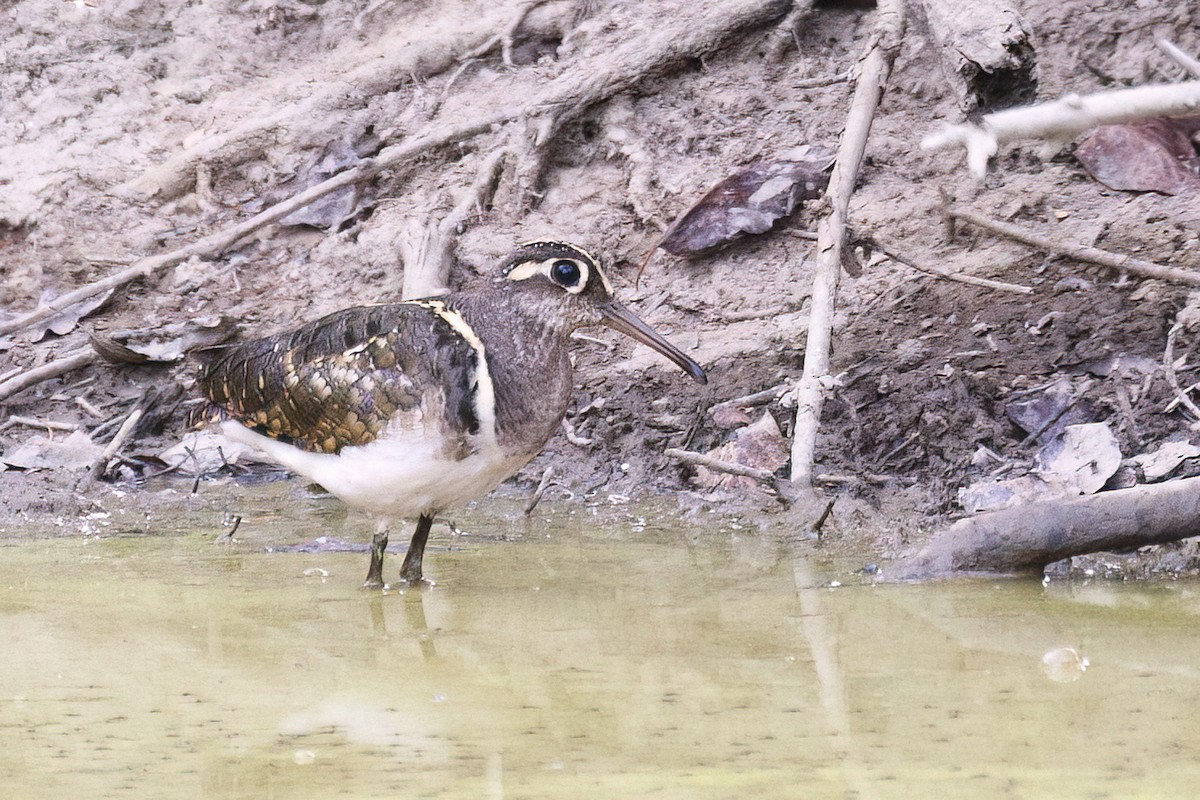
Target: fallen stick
x=1027, y=538
x=118, y=441
x=569, y=94
x=1172, y=379
x=33, y=422
x=876, y=67
x=717, y=465
x=1063, y=119
x=218, y=242
x=544, y=484
x=958, y=277
x=54, y=369
x=755, y=399
x=1191, y=65
x=782, y=487
x=1134, y=266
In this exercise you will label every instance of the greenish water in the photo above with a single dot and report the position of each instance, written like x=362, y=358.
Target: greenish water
x=583, y=658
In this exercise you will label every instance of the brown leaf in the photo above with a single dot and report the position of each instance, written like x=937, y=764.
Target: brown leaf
x=748, y=202
x=1154, y=155
x=759, y=445
x=66, y=320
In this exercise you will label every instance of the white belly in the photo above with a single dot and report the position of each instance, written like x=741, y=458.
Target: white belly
x=393, y=477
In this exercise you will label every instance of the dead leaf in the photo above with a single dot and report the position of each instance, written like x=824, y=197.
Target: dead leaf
x=334, y=208
x=1055, y=406
x=1162, y=462
x=759, y=445
x=1082, y=460
x=76, y=451
x=206, y=451
x=993, y=495
x=1154, y=155
x=748, y=202
x=66, y=320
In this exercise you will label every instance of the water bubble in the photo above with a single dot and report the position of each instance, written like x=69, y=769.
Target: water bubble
x=1064, y=664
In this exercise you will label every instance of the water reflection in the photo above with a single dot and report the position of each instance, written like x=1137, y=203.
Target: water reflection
x=582, y=660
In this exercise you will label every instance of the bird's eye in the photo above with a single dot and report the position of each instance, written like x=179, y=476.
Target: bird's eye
x=565, y=273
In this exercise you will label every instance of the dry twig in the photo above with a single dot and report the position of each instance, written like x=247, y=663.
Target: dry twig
x=1134, y=266
x=118, y=441
x=1181, y=58
x=959, y=277
x=32, y=422
x=876, y=67
x=544, y=484
x=1062, y=119
x=1172, y=379
x=54, y=369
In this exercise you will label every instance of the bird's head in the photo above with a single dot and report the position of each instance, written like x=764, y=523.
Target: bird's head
x=572, y=279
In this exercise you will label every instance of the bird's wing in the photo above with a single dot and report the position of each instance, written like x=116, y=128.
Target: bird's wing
x=355, y=376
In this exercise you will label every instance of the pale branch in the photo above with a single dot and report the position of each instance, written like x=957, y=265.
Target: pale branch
x=33, y=422
x=937, y=272
x=825, y=80
x=536, y=497
x=1027, y=538
x=875, y=68
x=1189, y=64
x=1123, y=263
x=717, y=465
x=54, y=369
x=118, y=441
x=1172, y=378
x=756, y=399
x=222, y=240
x=1062, y=119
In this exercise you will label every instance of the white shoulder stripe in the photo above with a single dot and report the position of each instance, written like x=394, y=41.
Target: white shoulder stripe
x=485, y=390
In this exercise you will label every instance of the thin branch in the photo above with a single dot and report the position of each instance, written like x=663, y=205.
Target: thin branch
x=54, y=369
x=1063, y=119
x=755, y=399
x=717, y=465
x=959, y=277
x=1134, y=266
x=118, y=441
x=544, y=484
x=33, y=422
x=876, y=67
x=1172, y=378
x=1191, y=65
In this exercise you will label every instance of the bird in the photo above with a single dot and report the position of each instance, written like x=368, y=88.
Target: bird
x=405, y=409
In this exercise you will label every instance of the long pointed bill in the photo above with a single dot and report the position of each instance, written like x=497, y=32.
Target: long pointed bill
x=619, y=318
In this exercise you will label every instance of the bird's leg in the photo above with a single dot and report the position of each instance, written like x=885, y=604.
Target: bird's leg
x=379, y=543
x=410, y=571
